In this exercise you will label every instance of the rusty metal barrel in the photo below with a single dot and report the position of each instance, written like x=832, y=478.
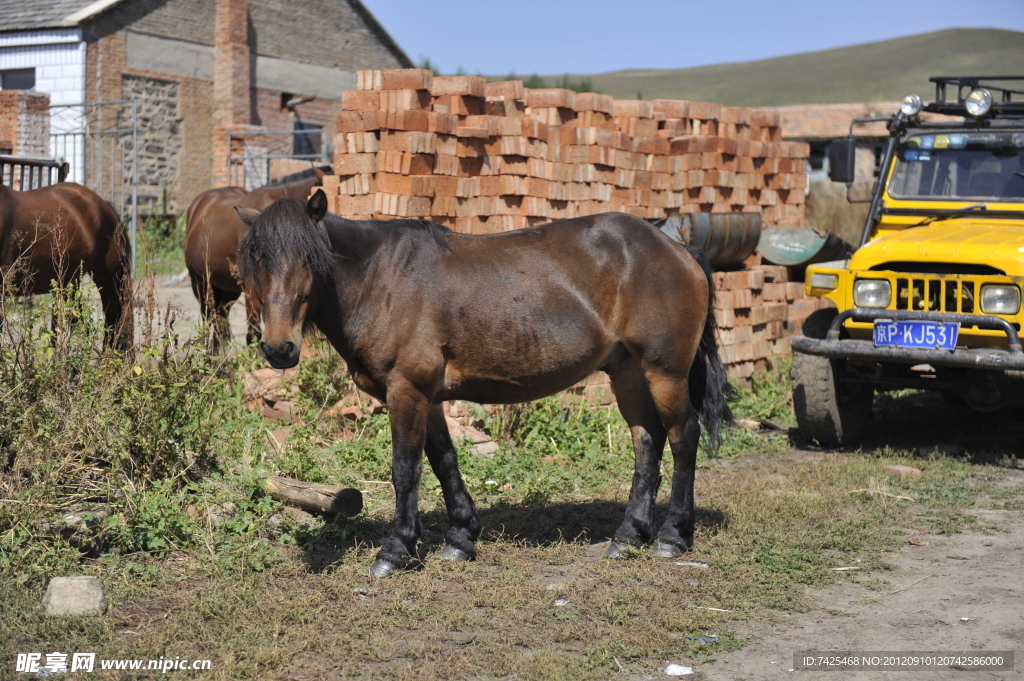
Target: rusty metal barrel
x=727, y=238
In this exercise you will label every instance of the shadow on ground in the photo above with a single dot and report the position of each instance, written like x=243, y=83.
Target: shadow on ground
x=532, y=523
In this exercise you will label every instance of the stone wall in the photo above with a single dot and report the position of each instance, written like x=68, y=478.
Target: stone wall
x=159, y=132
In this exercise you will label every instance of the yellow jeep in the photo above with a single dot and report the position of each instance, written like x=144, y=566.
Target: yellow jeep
x=932, y=297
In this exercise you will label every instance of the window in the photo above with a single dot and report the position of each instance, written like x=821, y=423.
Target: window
x=309, y=144
x=18, y=79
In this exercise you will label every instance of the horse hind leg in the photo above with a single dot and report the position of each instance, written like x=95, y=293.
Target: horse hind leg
x=637, y=406
x=672, y=400
x=463, y=521
x=214, y=306
x=222, y=301
x=116, y=298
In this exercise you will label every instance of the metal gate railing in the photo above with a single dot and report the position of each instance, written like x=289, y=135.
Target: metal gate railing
x=260, y=158
x=99, y=140
x=40, y=172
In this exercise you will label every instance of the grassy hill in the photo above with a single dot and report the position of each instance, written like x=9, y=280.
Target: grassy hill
x=885, y=70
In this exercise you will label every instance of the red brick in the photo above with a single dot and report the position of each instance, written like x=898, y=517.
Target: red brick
x=509, y=89
x=633, y=108
x=350, y=164
x=458, y=85
x=704, y=111
x=405, y=79
x=359, y=121
x=360, y=100
x=672, y=108
x=546, y=98
x=592, y=101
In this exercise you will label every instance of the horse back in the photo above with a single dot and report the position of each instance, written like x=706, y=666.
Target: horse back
x=65, y=222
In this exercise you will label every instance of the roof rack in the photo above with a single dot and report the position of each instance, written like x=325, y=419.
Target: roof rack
x=1003, y=102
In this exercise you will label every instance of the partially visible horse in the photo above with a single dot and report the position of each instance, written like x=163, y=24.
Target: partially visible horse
x=212, y=233
x=422, y=315
x=53, y=234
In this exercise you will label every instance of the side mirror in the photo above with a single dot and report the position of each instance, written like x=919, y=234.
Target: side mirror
x=841, y=155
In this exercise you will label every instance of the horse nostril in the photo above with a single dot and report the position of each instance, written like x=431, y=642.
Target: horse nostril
x=264, y=348
x=288, y=348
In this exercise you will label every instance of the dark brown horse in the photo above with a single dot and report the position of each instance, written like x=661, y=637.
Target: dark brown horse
x=423, y=315
x=212, y=233
x=57, y=232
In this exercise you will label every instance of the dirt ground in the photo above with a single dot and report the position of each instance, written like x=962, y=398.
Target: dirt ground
x=183, y=302
x=972, y=575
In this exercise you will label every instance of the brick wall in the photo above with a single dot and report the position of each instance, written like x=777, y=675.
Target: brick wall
x=25, y=123
x=320, y=32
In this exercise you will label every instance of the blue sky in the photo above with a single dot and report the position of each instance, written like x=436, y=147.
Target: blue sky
x=498, y=37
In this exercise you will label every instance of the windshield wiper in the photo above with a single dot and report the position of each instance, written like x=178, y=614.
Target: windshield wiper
x=955, y=213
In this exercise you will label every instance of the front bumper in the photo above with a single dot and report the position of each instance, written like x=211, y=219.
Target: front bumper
x=972, y=358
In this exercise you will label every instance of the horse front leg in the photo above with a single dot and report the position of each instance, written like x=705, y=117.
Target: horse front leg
x=408, y=410
x=463, y=521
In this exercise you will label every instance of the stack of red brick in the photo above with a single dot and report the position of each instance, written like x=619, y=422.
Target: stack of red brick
x=758, y=309
x=489, y=157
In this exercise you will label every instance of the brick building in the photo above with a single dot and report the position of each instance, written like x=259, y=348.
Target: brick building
x=198, y=68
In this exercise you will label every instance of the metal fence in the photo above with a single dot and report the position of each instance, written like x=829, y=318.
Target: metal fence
x=99, y=140
x=256, y=159
x=24, y=174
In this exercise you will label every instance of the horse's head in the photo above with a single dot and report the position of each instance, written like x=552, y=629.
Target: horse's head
x=283, y=260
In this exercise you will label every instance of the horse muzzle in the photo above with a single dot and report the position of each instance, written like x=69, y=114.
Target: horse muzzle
x=280, y=356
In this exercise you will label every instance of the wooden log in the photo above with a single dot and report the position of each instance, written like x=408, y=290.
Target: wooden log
x=315, y=497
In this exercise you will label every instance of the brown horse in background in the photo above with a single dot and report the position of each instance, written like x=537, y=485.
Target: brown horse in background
x=422, y=315
x=212, y=233
x=55, y=233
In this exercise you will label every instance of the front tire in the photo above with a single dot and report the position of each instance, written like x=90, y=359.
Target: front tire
x=828, y=410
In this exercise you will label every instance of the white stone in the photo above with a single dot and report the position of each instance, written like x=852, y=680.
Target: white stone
x=75, y=596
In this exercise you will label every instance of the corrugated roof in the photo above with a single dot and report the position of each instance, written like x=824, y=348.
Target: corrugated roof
x=27, y=15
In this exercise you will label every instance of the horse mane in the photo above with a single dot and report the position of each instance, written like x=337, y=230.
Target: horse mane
x=282, y=232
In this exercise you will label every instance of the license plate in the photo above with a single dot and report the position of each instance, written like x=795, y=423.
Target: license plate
x=915, y=334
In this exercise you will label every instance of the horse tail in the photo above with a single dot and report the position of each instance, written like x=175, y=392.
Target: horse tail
x=710, y=390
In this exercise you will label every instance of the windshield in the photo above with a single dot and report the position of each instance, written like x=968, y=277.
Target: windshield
x=971, y=166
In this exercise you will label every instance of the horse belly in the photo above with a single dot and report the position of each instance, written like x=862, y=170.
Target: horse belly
x=506, y=370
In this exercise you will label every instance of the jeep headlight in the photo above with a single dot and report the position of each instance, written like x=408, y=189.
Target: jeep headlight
x=911, y=105
x=872, y=293
x=1000, y=299
x=978, y=102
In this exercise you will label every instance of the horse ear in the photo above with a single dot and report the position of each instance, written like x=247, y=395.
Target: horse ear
x=316, y=207
x=248, y=215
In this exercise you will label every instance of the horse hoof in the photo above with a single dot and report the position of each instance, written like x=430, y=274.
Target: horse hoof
x=455, y=555
x=665, y=550
x=619, y=551
x=381, y=569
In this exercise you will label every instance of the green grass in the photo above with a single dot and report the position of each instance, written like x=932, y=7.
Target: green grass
x=161, y=246
x=880, y=71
